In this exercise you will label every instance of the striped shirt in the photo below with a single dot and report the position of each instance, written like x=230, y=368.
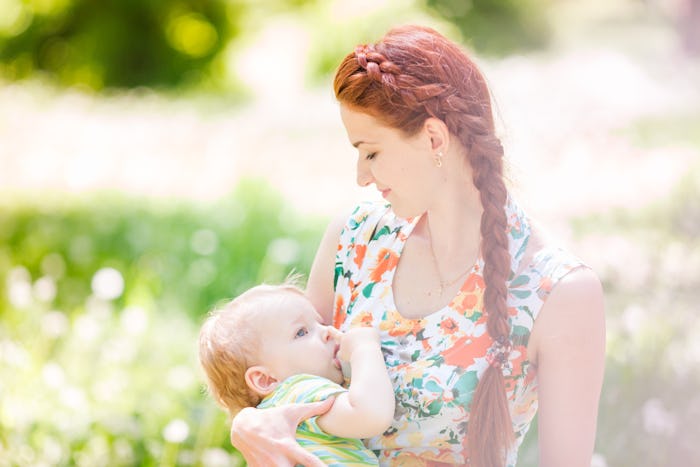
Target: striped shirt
x=333, y=450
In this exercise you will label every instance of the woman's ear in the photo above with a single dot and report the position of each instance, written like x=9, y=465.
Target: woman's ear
x=259, y=379
x=438, y=133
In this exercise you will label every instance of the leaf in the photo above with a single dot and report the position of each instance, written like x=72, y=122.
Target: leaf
x=432, y=386
x=464, y=388
x=383, y=231
x=521, y=293
x=520, y=280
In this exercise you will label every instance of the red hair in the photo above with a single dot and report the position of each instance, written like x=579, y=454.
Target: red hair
x=412, y=74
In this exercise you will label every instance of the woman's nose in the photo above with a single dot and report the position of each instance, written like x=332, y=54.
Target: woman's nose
x=364, y=176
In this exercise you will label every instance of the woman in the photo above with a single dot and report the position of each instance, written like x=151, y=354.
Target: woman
x=482, y=318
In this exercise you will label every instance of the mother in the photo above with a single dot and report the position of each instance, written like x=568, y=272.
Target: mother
x=482, y=318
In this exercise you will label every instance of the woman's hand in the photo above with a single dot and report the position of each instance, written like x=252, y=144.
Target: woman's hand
x=266, y=437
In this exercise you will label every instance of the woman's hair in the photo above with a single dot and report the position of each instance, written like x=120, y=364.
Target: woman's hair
x=229, y=341
x=412, y=74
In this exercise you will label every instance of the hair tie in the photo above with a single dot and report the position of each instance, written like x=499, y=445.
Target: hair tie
x=497, y=355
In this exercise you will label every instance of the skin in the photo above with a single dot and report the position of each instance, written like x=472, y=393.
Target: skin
x=297, y=342
x=294, y=342
x=567, y=344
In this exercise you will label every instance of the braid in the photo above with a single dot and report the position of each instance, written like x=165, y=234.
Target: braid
x=413, y=74
x=490, y=426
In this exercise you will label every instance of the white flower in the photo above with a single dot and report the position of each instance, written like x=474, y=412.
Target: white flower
x=216, y=457
x=107, y=284
x=45, y=289
x=134, y=320
x=87, y=328
x=53, y=375
x=54, y=324
x=19, y=288
x=176, y=431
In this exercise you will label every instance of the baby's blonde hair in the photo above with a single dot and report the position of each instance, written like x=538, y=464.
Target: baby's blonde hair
x=229, y=341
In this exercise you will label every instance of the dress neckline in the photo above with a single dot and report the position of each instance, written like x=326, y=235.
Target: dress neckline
x=518, y=236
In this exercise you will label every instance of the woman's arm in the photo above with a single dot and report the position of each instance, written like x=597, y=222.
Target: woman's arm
x=319, y=288
x=367, y=409
x=267, y=437
x=569, y=338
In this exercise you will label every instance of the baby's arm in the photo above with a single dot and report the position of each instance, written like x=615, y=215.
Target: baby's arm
x=367, y=408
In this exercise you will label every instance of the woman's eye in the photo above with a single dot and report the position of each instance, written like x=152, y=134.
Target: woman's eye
x=301, y=332
x=370, y=156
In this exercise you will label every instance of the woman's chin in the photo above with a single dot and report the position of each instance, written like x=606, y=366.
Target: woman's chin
x=404, y=213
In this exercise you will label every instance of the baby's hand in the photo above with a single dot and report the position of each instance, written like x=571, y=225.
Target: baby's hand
x=357, y=338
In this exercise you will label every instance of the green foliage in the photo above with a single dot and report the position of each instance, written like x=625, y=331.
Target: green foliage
x=117, y=43
x=176, y=258
x=175, y=44
x=334, y=36
x=497, y=27
x=96, y=373
x=107, y=387
x=122, y=43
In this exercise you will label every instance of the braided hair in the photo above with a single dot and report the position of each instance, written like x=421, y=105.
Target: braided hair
x=412, y=74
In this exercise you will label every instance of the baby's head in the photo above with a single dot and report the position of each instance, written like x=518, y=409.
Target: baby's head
x=260, y=338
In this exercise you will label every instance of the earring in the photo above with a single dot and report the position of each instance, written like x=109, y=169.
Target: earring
x=438, y=159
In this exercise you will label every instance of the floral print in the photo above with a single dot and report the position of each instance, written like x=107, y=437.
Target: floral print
x=435, y=362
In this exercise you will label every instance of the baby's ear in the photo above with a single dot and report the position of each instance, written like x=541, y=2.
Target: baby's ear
x=259, y=379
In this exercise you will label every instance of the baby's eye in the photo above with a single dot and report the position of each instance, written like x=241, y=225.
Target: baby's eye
x=370, y=156
x=301, y=332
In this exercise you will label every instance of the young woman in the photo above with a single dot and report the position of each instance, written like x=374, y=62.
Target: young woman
x=483, y=320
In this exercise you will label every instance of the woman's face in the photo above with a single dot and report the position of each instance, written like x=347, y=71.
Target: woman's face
x=402, y=168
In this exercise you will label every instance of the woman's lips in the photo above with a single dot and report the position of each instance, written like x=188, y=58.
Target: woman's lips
x=385, y=193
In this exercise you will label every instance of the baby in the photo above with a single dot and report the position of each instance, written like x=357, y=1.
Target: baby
x=268, y=347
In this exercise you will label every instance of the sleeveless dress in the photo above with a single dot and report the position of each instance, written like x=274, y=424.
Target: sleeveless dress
x=435, y=362
x=332, y=450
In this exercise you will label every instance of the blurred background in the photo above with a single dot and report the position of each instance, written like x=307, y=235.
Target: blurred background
x=160, y=156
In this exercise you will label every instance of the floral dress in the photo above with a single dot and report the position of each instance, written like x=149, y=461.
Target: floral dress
x=435, y=362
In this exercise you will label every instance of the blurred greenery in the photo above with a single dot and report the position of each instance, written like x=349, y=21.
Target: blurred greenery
x=122, y=43
x=115, y=43
x=498, y=27
x=174, y=257
x=99, y=315
x=189, y=43
x=651, y=274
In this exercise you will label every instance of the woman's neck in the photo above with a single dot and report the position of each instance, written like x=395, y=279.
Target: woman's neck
x=455, y=216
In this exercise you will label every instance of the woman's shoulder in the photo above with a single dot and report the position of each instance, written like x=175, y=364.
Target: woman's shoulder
x=548, y=257
x=367, y=213
x=366, y=221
